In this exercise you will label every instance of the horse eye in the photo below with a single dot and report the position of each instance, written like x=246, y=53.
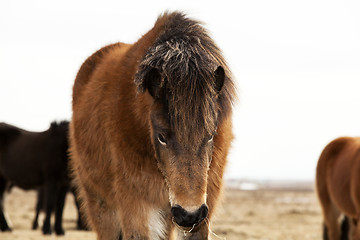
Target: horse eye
x=161, y=139
x=211, y=138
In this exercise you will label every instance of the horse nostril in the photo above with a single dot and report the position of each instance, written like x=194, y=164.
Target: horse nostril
x=203, y=212
x=188, y=219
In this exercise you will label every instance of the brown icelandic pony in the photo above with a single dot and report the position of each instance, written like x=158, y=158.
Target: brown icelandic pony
x=338, y=188
x=150, y=133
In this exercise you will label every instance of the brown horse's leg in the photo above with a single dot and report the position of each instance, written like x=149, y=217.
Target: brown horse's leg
x=141, y=221
x=81, y=223
x=135, y=221
x=104, y=220
x=331, y=213
x=331, y=217
x=354, y=230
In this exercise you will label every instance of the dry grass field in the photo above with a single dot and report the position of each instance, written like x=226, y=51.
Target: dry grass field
x=250, y=215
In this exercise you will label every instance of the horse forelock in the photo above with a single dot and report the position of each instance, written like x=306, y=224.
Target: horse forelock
x=186, y=58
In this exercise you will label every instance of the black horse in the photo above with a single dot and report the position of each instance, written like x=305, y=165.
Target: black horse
x=36, y=160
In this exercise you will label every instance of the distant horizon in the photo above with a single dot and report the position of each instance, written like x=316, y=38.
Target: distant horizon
x=279, y=185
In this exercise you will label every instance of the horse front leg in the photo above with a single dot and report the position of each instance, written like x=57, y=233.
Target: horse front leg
x=102, y=217
x=39, y=206
x=148, y=223
x=59, y=210
x=51, y=194
x=3, y=223
x=142, y=221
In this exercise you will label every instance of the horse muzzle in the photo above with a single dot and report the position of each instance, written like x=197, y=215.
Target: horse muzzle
x=187, y=219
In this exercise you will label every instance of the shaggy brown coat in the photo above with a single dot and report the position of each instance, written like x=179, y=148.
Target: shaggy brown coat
x=151, y=130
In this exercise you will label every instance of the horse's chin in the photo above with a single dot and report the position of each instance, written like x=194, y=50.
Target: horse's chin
x=186, y=230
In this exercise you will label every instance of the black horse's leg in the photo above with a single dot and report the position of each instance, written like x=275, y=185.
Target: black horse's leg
x=3, y=223
x=345, y=228
x=39, y=206
x=59, y=209
x=51, y=192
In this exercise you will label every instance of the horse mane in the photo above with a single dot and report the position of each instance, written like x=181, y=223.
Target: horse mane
x=186, y=58
x=59, y=126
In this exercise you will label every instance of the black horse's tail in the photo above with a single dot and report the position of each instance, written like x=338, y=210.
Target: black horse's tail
x=344, y=229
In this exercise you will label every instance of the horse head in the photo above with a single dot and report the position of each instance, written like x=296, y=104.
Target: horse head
x=183, y=123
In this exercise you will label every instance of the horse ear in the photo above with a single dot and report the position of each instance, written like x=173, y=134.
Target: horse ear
x=152, y=82
x=148, y=78
x=219, y=78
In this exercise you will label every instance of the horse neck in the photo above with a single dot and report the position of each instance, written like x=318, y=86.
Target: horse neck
x=129, y=110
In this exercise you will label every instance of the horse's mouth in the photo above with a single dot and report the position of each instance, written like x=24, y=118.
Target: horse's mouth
x=185, y=230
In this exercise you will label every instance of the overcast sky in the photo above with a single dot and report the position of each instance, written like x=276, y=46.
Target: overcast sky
x=296, y=64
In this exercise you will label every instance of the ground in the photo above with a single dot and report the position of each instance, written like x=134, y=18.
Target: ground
x=249, y=215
